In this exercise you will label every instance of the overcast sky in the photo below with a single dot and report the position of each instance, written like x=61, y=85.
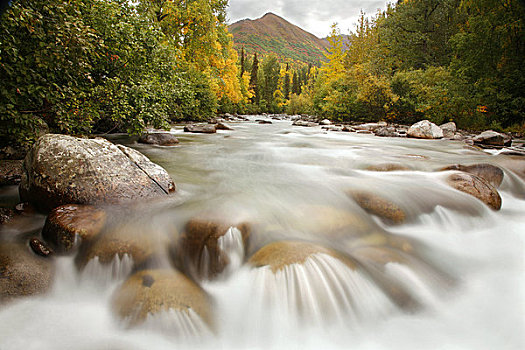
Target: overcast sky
x=314, y=16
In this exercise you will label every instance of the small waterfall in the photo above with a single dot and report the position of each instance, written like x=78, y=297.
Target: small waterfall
x=182, y=325
x=106, y=274
x=231, y=244
x=321, y=291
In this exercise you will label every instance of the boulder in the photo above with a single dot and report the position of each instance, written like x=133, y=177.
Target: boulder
x=424, y=129
x=142, y=243
x=261, y=121
x=61, y=169
x=386, y=131
x=348, y=128
x=493, y=138
x=280, y=254
x=150, y=292
x=23, y=273
x=223, y=126
x=198, y=251
x=201, y=128
x=477, y=187
x=332, y=128
x=325, y=122
x=379, y=206
x=449, y=129
x=387, y=167
x=159, y=139
x=66, y=223
x=10, y=172
x=488, y=172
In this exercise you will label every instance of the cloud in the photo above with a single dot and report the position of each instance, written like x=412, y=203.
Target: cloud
x=312, y=15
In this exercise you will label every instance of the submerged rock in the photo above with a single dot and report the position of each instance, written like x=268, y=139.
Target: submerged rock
x=477, y=187
x=488, y=172
x=201, y=128
x=10, y=172
x=159, y=138
x=424, y=129
x=493, y=138
x=388, y=167
x=23, y=273
x=280, y=254
x=377, y=205
x=40, y=247
x=62, y=169
x=198, y=251
x=150, y=292
x=140, y=243
x=66, y=223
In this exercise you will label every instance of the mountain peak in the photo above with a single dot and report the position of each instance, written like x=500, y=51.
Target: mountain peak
x=274, y=34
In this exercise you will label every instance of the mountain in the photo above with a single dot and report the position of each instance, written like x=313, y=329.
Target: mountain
x=271, y=33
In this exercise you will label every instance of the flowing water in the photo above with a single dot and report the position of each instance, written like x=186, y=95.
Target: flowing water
x=451, y=276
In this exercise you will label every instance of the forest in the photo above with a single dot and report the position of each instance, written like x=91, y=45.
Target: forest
x=87, y=66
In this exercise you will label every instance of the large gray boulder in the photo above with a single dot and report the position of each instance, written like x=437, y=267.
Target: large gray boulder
x=449, y=129
x=61, y=169
x=425, y=129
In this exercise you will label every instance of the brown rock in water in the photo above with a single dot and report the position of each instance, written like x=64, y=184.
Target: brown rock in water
x=40, y=247
x=280, y=254
x=61, y=169
x=493, y=138
x=159, y=138
x=223, y=126
x=198, y=252
x=388, y=167
x=488, y=172
x=23, y=273
x=477, y=187
x=449, y=129
x=377, y=205
x=142, y=243
x=6, y=215
x=201, y=128
x=66, y=223
x=153, y=291
x=10, y=172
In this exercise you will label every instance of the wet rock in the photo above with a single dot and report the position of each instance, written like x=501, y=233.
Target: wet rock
x=332, y=128
x=449, y=129
x=159, y=138
x=280, y=254
x=198, y=251
x=150, y=292
x=388, y=167
x=223, y=126
x=25, y=208
x=379, y=206
x=261, y=121
x=364, y=132
x=424, y=129
x=492, y=138
x=6, y=215
x=66, y=223
x=142, y=243
x=371, y=127
x=201, y=128
x=304, y=123
x=477, y=187
x=23, y=273
x=325, y=122
x=10, y=172
x=40, y=247
x=62, y=169
x=386, y=131
x=348, y=128
x=488, y=172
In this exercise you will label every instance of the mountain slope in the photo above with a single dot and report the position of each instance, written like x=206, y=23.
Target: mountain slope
x=272, y=33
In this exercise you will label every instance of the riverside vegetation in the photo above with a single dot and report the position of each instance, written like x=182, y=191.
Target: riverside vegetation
x=85, y=66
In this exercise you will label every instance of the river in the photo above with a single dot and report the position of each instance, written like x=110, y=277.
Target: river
x=464, y=274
